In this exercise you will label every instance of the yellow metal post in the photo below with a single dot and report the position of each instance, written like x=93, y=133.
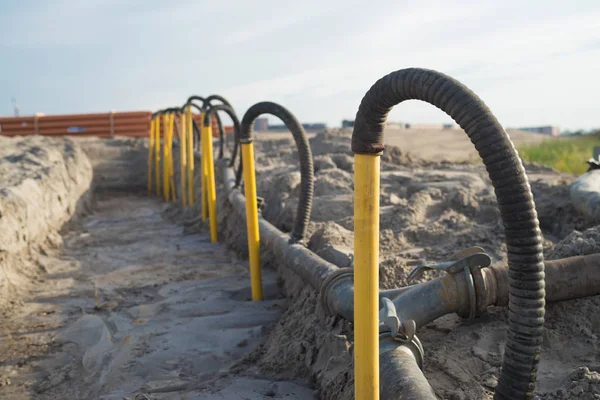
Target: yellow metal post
x=366, y=276
x=182, y=158
x=211, y=188
x=157, y=155
x=150, y=157
x=204, y=171
x=171, y=176
x=166, y=182
x=252, y=220
x=190, y=148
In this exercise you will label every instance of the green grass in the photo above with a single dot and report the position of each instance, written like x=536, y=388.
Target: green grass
x=565, y=154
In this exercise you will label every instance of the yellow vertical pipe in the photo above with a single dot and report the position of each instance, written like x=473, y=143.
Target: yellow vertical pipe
x=166, y=182
x=204, y=171
x=366, y=276
x=190, y=148
x=182, y=157
x=150, y=150
x=170, y=162
x=252, y=220
x=212, y=190
x=157, y=155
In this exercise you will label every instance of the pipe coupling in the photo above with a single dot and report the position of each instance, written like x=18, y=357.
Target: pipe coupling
x=333, y=290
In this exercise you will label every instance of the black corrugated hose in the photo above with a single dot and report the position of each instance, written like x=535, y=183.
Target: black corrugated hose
x=194, y=124
x=236, y=124
x=515, y=201
x=208, y=104
x=304, y=155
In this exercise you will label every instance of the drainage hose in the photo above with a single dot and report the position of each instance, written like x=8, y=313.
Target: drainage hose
x=515, y=201
x=195, y=127
x=304, y=155
x=236, y=125
x=208, y=104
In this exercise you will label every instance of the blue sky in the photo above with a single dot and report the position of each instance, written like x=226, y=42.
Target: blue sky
x=533, y=62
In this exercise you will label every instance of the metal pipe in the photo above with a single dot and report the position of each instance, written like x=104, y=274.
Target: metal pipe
x=171, y=175
x=252, y=220
x=566, y=279
x=204, y=174
x=183, y=158
x=401, y=376
x=190, y=155
x=366, y=271
x=210, y=177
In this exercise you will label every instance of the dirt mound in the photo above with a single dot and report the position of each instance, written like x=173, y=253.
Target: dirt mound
x=44, y=183
x=429, y=211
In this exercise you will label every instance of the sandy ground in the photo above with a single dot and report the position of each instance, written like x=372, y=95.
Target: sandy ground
x=126, y=302
x=132, y=301
x=433, y=144
x=131, y=305
x=429, y=211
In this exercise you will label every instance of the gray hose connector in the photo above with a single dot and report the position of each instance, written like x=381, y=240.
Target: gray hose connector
x=515, y=201
x=304, y=155
x=236, y=125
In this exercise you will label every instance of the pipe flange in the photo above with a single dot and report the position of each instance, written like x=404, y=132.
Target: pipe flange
x=481, y=289
x=415, y=346
x=472, y=293
x=331, y=280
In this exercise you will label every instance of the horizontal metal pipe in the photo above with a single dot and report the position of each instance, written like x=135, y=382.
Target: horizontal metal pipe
x=309, y=266
x=428, y=301
x=400, y=375
x=566, y=278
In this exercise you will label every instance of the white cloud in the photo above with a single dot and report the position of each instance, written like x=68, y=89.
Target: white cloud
x=532, y=62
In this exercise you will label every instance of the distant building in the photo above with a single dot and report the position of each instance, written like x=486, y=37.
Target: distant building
x=261, y=124
x=544, y=130
x=307, y=127
x=347, y=123
x=319, y=126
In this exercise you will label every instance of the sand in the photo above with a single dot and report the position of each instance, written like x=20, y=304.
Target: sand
x=132, y=290
x=126, y=301
x=430, y=209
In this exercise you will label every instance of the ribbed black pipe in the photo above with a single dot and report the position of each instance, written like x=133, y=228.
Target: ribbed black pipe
x=236, y=125
x=212, y=97
x=191, y=99
x=195, y=127
x=195, y=131
x=517, y=209
x=304, y=155
x=208, y=104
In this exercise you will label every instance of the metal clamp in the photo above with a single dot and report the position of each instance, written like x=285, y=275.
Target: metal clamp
x=467, y=261
x=400, y=331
